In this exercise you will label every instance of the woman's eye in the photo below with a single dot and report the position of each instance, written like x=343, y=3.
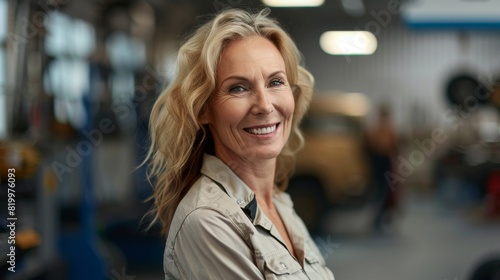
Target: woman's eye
x=277, y=82
x=236, y=89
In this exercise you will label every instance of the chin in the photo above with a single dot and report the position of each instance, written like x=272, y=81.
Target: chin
x=263, y=155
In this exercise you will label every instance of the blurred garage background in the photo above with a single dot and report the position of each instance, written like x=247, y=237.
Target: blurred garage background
x=399, y=179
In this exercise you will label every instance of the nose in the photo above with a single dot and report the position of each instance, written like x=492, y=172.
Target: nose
x=262, y=103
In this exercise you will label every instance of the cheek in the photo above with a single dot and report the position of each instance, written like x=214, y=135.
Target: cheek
x=289, y=105
x=226, y=112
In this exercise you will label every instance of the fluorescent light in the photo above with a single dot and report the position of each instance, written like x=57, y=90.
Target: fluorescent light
x=348, y=42
x=293, y=3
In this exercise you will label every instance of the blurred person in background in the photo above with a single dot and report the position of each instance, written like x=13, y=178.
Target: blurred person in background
x=224, y=137
x=382, y=149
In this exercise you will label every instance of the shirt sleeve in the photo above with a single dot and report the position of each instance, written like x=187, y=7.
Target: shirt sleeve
x=209, y=246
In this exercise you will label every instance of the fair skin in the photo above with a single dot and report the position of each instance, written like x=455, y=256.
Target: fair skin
x=250, y=117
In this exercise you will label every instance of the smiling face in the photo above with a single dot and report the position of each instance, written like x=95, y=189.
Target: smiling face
x=250, y=112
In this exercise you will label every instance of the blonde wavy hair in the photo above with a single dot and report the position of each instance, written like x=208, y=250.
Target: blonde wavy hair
x=178, y=140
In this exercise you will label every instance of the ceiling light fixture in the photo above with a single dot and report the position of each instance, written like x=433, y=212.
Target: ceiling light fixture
x=348, y=42
x=293, y=3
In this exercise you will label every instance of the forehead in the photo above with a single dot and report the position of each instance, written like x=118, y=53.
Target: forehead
x=245, y=52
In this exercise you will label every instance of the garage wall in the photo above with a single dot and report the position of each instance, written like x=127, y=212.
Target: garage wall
x=409, y=70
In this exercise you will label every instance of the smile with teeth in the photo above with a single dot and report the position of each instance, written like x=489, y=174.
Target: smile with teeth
x=261, y=130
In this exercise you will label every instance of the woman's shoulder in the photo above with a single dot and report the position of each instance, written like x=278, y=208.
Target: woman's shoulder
x=204, y=203
x=204, y=194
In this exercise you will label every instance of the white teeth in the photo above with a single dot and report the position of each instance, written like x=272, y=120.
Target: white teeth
x=264, y=130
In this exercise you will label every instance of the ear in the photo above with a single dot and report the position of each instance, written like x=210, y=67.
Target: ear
x=204, y=115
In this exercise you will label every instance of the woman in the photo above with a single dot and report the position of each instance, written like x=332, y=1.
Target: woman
x=224, y=135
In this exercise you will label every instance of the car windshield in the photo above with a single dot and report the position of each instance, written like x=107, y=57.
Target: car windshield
x=330, y=124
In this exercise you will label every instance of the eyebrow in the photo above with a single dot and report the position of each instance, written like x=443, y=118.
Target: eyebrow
x=241, y=78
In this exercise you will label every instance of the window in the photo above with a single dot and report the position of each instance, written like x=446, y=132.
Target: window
x=70, y=41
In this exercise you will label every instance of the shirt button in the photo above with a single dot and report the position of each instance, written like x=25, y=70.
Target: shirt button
x=239, y=201
x=283, y=265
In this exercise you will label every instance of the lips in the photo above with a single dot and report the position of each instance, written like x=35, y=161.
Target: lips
x=262, y=130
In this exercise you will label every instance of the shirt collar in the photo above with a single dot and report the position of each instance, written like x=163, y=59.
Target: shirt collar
x=229, y=182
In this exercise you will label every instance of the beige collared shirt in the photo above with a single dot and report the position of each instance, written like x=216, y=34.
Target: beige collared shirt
x=219, y=232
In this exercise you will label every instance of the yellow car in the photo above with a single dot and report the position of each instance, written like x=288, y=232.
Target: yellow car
x=332, y=168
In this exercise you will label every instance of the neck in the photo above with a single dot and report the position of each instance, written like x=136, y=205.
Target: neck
x=258, y=175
